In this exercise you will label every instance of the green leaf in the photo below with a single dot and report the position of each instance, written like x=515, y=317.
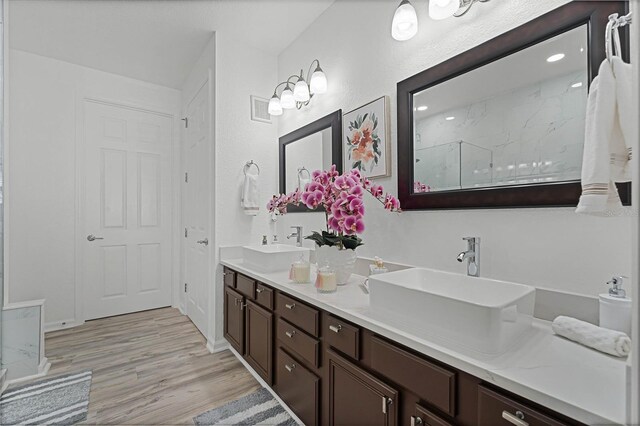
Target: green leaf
x=316, y=237
x=351, y=242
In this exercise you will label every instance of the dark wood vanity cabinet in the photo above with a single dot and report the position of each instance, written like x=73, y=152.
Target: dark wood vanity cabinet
x=333, y=372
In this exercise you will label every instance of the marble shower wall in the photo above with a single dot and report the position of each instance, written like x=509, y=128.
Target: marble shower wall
x=22, y=340
x=535, y=133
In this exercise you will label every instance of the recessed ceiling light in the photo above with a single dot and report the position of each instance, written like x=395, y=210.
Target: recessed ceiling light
x=422, y=108
x=576, y=85
x=582, y=49
x=555, y=58
x=449, y=118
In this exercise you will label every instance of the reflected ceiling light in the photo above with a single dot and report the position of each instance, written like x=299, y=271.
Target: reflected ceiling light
x=576, y=85
x=405, y=22
x=301, y=93
x=450, y=118
x=422, y=108
x=443, y=9
x=555, y=58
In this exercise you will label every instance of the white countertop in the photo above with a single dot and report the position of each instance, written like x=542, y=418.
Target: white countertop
x=564, y=376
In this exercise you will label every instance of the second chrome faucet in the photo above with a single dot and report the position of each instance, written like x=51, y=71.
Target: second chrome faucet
x=297, y=234
x=472, y=256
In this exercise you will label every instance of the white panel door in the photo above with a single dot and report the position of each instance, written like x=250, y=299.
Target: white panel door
x=127, y=257
x=196, y=209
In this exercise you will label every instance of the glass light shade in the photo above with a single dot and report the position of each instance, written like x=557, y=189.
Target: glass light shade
x=274, y=106
x=443, y=9
x=318, y=82
x=301, y=91
x=405, y=22
x=287, y=101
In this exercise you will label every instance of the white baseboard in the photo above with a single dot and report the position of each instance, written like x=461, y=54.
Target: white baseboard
x=61, y=325
x=217, y=346
x=266, y=386
x=43, y=370
x=181, y=309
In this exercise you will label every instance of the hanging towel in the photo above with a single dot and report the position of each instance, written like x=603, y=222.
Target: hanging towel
x=251, y=194
x=607, y=144
x=602, y=339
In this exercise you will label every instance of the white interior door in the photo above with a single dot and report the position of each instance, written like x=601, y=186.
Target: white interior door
x=127, y=260
x=196, y=211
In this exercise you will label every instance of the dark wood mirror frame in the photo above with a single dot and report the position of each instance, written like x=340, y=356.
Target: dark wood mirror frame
x=572, y=15
x=333, y=121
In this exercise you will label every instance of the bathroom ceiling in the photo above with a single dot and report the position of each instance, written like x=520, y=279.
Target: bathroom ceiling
x=153, y=40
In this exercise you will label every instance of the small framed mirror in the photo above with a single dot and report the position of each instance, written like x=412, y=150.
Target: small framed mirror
x=502, y=125
x=315, y=146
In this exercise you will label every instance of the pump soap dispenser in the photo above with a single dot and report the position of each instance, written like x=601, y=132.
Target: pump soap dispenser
x=615, y=308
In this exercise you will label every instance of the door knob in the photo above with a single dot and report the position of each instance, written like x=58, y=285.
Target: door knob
x=204, y=242
x=92, y=237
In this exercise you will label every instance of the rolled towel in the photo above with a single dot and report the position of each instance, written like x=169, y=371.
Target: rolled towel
x=602, y=339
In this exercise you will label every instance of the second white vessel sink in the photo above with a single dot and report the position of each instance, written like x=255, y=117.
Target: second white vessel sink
x=483, y=314
x=273, y=257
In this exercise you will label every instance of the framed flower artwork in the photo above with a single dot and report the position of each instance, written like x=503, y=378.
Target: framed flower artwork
x=366, y=139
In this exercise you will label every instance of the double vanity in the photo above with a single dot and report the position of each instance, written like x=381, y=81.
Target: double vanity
x=421, y=347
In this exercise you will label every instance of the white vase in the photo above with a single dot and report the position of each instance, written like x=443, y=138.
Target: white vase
x=341, y=261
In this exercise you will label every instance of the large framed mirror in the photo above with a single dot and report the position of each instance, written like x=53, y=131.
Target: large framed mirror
x=315, y=146
x=502, y=124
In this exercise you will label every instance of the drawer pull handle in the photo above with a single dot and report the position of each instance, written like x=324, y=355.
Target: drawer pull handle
x=385, y=403
x=290, y=306
x=290, y=334
x=259, y=290
x=289, y=367
x=515, y=419
x=416, y=421
x=335, y=328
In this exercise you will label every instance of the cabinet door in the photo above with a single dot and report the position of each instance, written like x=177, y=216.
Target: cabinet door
x=299, y=388
x=358, y=398
x=259, y=342
x=234, y=319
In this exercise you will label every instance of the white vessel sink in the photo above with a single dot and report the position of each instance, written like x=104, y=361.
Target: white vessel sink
x=273, y=257
x=482, y=314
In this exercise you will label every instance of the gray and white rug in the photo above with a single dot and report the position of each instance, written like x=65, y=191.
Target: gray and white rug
x=258, y=408
x=61, y=400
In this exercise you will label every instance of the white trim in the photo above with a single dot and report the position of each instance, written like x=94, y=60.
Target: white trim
x=82, y=97
x=266, y=386
x=61, y=325
x=6, y=153
x=43, y=370
x=217, y=346
x=24, y=304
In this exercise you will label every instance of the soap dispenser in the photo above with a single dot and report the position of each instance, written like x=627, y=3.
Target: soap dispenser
x=615, y=307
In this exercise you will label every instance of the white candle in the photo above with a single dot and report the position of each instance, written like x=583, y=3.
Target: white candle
x=301, y=273
x=326, y=282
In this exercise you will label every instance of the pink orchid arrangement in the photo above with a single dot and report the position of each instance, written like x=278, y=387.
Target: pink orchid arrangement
x=341, y=196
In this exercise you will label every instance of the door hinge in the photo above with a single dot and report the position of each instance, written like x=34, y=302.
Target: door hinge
x=186, y=122
x=186, y=233
x=186, y=177
x=185, y=287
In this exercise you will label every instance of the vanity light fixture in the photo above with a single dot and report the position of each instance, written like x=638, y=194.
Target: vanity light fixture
x=450, y=118
x=405, y=22
x=555, y=58
x=297, y=93
x=443, y=9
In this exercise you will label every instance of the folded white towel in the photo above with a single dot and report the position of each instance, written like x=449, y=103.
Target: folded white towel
x=251, y=195
x=607, y=140
x=602, y=339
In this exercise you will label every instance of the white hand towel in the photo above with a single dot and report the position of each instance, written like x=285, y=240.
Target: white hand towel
x=602, y=339
x=607, y=139
x=251, y=195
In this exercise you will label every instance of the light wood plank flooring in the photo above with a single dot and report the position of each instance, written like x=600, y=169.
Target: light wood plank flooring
x=148, y=368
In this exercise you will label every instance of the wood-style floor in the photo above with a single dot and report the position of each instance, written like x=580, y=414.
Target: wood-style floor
x=149, y=368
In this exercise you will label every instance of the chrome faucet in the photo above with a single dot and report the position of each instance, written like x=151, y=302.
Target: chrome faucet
x=297, y=234
x=472, y=255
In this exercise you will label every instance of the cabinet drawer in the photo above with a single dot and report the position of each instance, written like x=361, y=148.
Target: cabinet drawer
x=264, y=296
x=342, y=336
x=295, y=339
x=298, y=388
x=246, y=286
x=424, y=417
x=496, y=409
x=298, y=314
x=229, y=277
x=428, y=381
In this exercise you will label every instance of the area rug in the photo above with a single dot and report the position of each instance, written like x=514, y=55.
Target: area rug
x=61, y=400
x=258, y=408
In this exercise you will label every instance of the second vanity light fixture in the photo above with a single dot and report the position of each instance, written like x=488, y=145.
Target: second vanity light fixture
x=405, y=19
x=297, y=93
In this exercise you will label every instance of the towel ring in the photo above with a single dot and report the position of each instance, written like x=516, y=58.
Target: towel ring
x=248, y=166
x=301, y=170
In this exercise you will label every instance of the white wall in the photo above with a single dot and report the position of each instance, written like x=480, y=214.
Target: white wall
x=552, y=248
x=41, y=185
x=241, y=71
